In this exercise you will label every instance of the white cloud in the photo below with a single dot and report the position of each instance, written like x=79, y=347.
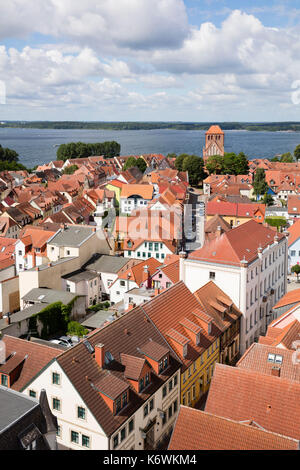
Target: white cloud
x=103, y=25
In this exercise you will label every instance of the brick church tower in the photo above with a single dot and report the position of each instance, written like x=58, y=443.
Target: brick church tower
x=214, y=142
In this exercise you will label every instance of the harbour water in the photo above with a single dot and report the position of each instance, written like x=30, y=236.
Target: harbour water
x=36, y=146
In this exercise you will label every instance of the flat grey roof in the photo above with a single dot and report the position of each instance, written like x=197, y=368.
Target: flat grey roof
x=14, y=405
x=48, y=296
x=78, y=276
x=107, y=264
x=141, y=291
x=97, y=320
x=72, y=235
x=22, y=315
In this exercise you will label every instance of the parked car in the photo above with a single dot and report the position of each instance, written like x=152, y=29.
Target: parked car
x=66, y=340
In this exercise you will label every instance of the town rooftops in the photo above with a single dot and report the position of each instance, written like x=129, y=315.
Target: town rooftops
x=241, y=394
x=271, y=361
x=72, y=235
x=211, y=432
x=126, y=335
x=167, y=311
x=48, y=296
x=240, y=243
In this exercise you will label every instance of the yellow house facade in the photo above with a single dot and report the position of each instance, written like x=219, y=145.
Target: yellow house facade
x=195, y=380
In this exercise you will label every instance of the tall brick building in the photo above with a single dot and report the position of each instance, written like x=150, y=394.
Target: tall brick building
x=214, y=142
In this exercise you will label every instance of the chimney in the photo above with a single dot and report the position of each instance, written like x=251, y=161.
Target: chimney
x=156, y=291
x=219, y=231
x=275, y=371
x=100, y=354
x=7, y=318
x=145, y=275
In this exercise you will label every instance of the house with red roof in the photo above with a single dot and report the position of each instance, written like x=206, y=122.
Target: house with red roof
x=132, y=276
x=31, y=248
x=249, y=263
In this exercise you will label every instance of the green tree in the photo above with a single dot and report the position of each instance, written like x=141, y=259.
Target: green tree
x=83, y=150
x=297, y=152
x=287, y=158
x=75, y=329
x=296, y=269
x=194, y=165
x=259, y=183
x=241, y=164
x=130, y=163
x=215, y=165
x=135, y=163
x=8, y=155
x=277, y=222
x=70, y=170
x=179, y=161
x=268, y=200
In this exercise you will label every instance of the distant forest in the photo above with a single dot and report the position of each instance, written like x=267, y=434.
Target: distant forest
x=119, y=126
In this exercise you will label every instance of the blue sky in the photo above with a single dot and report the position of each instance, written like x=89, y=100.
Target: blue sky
x=183, y=60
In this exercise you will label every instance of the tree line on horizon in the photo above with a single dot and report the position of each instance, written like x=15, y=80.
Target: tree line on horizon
x=84, y=150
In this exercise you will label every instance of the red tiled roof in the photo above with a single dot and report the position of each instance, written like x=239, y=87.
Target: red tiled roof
x=256, y=359
x=294, y=232
x=241, y=394
x=38, y=356
x=215, y=130
x=240, y=243
x=199, y=430
x=289, y=298
x=169, y=308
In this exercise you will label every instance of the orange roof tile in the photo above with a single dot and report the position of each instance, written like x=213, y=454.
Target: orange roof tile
x=211, y=432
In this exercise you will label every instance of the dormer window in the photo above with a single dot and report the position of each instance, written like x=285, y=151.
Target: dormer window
x=163, y=364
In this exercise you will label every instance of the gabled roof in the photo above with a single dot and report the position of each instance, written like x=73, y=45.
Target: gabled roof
x=168, y=309
x=211, y=432
x=215, y=129
x=136, y=271
x=125, y=335
x=241, y=394
x=35, y=357
x=214, y=301
x=240, y=243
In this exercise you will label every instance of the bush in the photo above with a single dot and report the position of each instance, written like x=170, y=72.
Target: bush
x=97, y=307
x=75, y=329
x=277, y=222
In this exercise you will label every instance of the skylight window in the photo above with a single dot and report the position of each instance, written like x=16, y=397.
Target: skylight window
x=108, y=357
x=41, y=297
x=88, y=346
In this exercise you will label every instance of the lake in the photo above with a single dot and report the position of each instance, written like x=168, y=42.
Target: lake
x=36, y=146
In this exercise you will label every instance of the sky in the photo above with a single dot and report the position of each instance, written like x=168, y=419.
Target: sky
x=150, y=60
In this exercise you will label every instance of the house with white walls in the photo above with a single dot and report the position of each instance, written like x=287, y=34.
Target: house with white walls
x=249, y=263
x=118, y=390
